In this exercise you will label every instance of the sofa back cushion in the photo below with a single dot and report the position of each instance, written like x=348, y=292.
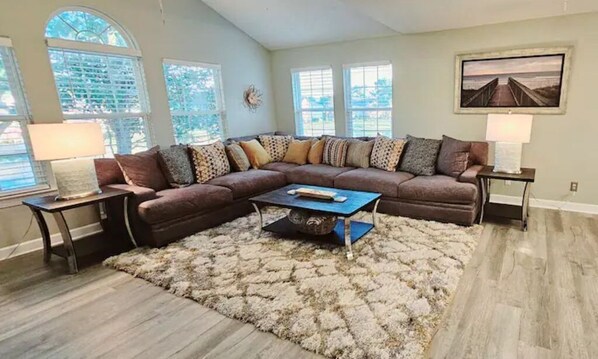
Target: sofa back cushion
x=335, y=152
x=256, y=153
x=453, y=158
x=210, y=161
x=359, y=153
x=387, y=153
x=419, y=156
x=176, y=166
x=108, y=171
x=276, y=146
x=142, y=169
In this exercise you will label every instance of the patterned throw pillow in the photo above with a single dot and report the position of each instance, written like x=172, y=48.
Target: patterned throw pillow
x=335, y=152
x=419, y=156
x=359, y=153
x=237, y=157
x=176, y=166
x=210, y=161
x=386, y=153
x=276, y=146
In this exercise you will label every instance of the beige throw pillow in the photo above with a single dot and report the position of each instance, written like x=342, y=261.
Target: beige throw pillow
x=237, y=157
x=359, y=153
x=210, y=161
x=256, y=153
x=316, y=151
x=297, y=152
x=386, y=153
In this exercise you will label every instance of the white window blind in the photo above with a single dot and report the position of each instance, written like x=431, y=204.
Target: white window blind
x=97, y=81
x=196, y=101
x=18, y=170
x=368, y=99
x=313, y=98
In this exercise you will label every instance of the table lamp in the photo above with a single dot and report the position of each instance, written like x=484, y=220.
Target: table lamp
x=509, y=132
x=64, y=144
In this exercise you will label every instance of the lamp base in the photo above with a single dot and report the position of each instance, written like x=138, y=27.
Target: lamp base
x=75, y=178
x=507, y=157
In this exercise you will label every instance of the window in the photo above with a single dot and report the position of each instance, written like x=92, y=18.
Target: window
x=313, y=100
x=368, y=99
x=99, y=78
x=18, y=170
x=196, y=101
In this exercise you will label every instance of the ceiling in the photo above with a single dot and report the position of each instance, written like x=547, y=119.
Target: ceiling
x=279, y=24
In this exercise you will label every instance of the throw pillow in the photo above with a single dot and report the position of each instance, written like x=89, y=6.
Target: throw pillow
x=108, y=171
x=335, y=152
x=419, y=156
x=276, y=146
x=256, y=153
x=176, y=166
x=210, y=161
x=316, y=152
x=297, y=152
x=237, y=157
x=142, y=169
x=359, y=153
x=386, y=153
x=453, y=158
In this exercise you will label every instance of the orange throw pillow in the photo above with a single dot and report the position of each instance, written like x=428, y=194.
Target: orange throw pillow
x=256, y=153
x=297, y=152
x=316, y=152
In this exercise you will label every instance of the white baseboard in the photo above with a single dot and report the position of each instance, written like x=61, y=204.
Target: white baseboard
x=56, y=238
x=547, y=203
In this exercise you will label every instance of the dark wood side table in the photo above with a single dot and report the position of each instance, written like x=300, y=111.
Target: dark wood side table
x=518, y=212
x=48, y=204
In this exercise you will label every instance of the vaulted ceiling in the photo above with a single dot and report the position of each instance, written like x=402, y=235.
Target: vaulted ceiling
x=278, y=24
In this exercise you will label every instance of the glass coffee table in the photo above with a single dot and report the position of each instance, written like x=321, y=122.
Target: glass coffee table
x=345, y=232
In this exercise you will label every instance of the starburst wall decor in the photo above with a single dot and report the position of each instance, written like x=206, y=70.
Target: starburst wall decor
x=252, y=98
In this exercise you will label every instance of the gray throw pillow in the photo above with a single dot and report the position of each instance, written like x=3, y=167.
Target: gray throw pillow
x=453, y=158
x=419, y=157
x=359, y=153
x=176, y=166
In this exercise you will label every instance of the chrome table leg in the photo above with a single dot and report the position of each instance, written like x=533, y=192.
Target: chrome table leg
x=127, y=223
x=347, y=222
x=260, y=220
x=71, y=256
x=375, y=214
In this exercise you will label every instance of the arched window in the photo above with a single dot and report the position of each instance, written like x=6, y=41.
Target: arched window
x=99, y=77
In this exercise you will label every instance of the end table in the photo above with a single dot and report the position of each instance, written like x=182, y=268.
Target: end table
x=527, y=176
x=48, y=204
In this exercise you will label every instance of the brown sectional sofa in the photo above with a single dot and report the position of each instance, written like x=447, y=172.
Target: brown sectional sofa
x=158, y=218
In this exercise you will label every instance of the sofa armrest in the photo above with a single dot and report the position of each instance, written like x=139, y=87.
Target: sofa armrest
x=470, y=175
x=141, y=194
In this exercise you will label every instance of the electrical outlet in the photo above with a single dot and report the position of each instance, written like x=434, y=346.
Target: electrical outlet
x=573, y=187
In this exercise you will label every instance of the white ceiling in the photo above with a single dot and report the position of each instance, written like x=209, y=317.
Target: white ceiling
x=280, y=24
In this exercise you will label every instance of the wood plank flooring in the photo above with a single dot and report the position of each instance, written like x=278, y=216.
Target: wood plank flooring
x=523, y=295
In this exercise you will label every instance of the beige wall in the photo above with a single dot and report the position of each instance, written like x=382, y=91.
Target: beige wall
x=192, y=32
x=563, y=148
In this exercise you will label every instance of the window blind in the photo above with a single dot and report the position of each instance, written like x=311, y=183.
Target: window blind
x=196, y=101
x=313, y=98
x=368, y=99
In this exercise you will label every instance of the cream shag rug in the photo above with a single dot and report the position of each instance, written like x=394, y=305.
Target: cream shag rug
x=386, y=303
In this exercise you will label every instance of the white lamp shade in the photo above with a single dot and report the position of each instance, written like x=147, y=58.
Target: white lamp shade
x=509, y=128
x=66, y=140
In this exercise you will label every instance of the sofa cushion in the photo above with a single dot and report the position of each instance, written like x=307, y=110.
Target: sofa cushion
x=372, y=180
x=316, y=175
x=280, y=167
x=252, y=182
x=438, y=188
x=179, y=202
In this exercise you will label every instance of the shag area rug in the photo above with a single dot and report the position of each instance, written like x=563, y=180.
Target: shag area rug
x=386, y=303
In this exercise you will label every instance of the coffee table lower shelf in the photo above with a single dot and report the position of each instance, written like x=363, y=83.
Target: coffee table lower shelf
x=356, y=231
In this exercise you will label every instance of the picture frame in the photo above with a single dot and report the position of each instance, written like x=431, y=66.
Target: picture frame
x=530, y=81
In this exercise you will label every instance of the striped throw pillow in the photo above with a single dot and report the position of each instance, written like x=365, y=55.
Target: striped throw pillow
x=335, y=152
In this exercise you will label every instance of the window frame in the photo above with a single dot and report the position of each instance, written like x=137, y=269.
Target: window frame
x=298, y=110
x=131, y=52
x=347, y=95
x=219, y=95
x=23, y=117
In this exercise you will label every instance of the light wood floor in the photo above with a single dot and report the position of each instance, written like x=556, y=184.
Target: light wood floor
x=523, y=295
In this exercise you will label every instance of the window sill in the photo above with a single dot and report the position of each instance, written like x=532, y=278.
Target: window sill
x=15, y=199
